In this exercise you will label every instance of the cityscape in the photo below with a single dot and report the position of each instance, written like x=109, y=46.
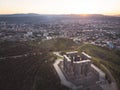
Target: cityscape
x=59, y=44
x=104, y=32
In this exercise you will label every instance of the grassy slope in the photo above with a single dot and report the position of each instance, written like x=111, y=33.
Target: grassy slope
x=32, y=72
x=13, y=48
x=57, y=44
x=109, y=58
x=45, y=75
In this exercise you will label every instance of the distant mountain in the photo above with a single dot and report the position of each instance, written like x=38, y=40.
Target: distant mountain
x=116, y=15
x=34, y=14
x=95, y=14
x=54, y=15
x=19, y=15
x=48, y=18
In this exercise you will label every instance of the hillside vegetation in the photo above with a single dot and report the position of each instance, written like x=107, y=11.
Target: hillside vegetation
x=58, y=44
x=31, y=72
x=36, y=72
x=13, y=48
x=107, y=57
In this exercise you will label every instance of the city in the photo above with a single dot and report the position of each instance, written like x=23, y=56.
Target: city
x=102, y=32
x=59, y=44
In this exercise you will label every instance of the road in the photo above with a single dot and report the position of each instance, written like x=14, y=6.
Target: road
x=18, y=56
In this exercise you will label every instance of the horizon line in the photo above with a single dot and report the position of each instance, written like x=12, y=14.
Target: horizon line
x=63, y=14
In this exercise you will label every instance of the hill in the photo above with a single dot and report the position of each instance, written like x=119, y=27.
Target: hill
x=107, y=57
x=13, y=48
x=31, y=71
x=58, y=44
x=35, y=71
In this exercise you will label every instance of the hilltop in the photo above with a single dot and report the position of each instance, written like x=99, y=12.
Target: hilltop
x=57, y=44
x=35, y=71
x=29, y=65
x=105, y=56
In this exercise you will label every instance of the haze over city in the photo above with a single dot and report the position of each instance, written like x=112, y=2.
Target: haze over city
x=106, y=7
x=59, y=44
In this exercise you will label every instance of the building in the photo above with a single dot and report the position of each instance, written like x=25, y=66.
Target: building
x=74, y=66
x=80, y=70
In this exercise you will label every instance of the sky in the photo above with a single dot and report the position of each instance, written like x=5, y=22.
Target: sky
x=106, y=7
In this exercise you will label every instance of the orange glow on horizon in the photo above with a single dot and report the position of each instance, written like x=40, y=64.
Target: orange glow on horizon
x=106, y=7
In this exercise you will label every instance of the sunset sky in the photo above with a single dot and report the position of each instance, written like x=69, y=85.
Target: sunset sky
x=107, y=7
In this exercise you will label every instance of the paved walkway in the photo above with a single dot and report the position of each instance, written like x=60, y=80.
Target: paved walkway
x=64, y=81
x=113, y=85
x=61, y=75
x=58, y=54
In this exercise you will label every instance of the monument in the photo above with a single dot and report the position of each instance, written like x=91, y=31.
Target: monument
x=79, y=70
